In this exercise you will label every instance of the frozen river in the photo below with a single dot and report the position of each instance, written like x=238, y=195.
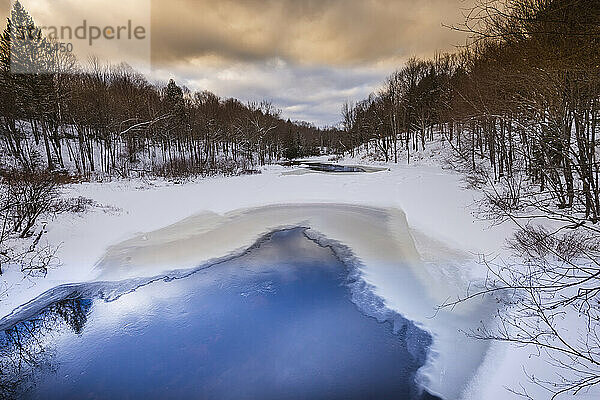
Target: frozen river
x=286, y=319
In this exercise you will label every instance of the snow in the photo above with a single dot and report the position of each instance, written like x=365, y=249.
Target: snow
x=411, y=227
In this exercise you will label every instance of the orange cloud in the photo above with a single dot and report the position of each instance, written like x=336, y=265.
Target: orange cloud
x=333, y=32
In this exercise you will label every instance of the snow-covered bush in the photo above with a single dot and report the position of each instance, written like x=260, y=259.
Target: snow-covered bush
x=24, y=198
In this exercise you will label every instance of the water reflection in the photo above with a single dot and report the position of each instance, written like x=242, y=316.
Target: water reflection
x=276, y=323
x=24, y=348
x=334, y=168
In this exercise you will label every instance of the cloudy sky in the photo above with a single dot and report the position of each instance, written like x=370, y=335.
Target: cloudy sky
x=306, y=56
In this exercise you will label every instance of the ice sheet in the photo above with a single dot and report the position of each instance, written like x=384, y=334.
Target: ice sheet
x=375, y=240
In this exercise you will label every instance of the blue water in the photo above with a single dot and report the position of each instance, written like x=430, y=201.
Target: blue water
x=276, y=323
x=325, y=167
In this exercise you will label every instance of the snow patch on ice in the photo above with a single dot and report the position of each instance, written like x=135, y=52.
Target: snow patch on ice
x=382, y=251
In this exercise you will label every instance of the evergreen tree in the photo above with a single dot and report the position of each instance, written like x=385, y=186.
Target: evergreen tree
x=30, y=52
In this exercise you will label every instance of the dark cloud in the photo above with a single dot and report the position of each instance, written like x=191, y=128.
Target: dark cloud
x=336, y=32
x=307, y=56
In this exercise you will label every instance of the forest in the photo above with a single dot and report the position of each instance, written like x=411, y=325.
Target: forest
x=519, y=106
x=522, y=98
x=109, y=120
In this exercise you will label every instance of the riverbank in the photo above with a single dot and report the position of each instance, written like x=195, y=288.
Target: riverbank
x=444, y=233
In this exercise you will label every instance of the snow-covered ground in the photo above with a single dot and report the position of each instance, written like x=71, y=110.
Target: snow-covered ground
x=442, y=244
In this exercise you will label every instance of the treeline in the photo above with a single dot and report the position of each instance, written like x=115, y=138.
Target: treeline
x=111, y=120
x=519, y=103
